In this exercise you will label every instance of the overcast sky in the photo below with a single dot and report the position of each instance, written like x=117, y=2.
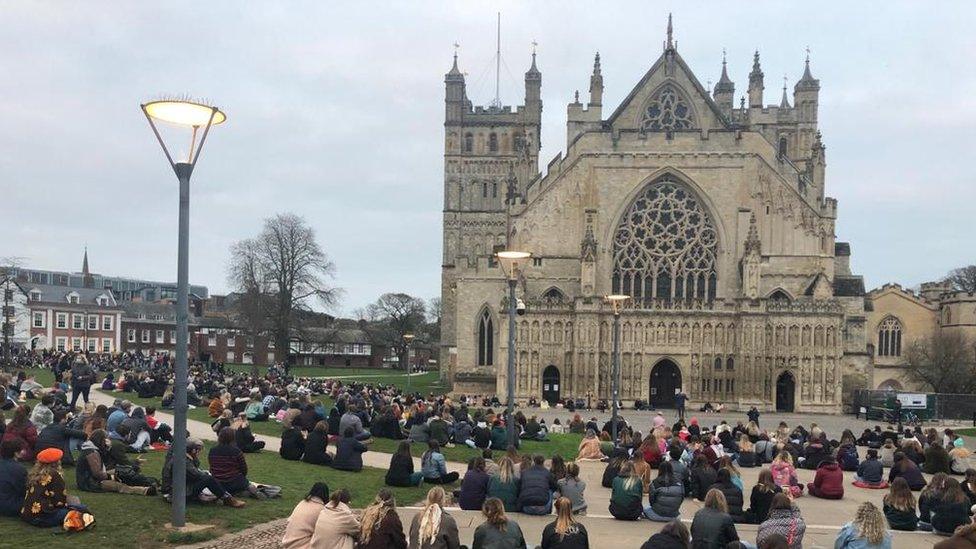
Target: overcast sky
x=336, y=113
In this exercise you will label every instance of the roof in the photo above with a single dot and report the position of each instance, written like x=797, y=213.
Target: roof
x=59, y=294
x=333, y=335
x=849, y=286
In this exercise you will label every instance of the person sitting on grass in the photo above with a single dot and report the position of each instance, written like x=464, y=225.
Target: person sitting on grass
x=589, y=448
x=537, y=488
x=899, y=507
x=401, y=473
x=20, y=428
x=785, y=520
x=351, y=420
x=499, y=436
x=92, y=473
x=228, y=466
x=867, y=530
x=13, y=479
x=712, y=525
x=46, y=501
x=292, y=444
x=349, y=452
x=217, y=405
x=434, y=466
x=197, y=480
x=474, y=486
x=139, y=431
x=504, y=484
x=625, y=498
x=245, y=438
x=59, y=435
x=381, y=527
x=572, y=488
x=829, y=480
x=255, y=408
x=158, y=431
x=498, y=530
x=301, y=522
x=433, y=527
x=337, y=526
x=317, y=445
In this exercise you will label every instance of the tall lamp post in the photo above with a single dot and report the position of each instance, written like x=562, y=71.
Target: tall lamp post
x=190, y=116
x=616, y=301
x=407, y=339
x=509, y=260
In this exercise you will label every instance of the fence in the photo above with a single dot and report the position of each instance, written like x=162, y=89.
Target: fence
x=880, y=405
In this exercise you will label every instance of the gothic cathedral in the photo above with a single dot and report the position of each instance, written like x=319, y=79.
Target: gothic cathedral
x=712, y=217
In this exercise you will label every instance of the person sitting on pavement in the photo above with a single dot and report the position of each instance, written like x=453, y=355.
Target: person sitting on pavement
x=828, y=482
x=712, y=525
x=589, y=448
x=784, y=520
x=474, y=486
x=380, y=524
x=301, y=522
x=336, y=526
x=906, y=468
x=899, y=507
x=761, y=498
x=701, y=477
x=349, y=452
x=625, y=497
x=784, y=474
x=734, y=498
x=674, y=535
x=870, y=472
x=564, y=532
x=498, y=530
x=504, y=484
x=868, y=530
x=665, y=495
x=942, y=506
x=92, y=474
x=434, y=466
x=13, y=478
x=197, y=480
x=432, y=527
x=537, y=488
x=937, y=460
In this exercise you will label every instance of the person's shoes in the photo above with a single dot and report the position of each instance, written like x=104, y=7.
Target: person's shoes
x=151, y=491
x=233, y=502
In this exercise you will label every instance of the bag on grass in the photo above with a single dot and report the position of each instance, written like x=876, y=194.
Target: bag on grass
x=269, y=490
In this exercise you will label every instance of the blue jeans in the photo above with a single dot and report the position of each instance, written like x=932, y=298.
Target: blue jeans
x=650, y=514
x=539, y=509
x=365, y=435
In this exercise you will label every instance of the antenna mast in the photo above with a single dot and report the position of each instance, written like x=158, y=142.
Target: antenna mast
x=497, y=102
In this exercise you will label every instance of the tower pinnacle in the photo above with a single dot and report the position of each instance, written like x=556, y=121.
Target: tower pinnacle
x=670, y=33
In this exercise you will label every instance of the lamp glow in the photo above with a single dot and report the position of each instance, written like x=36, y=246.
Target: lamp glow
x=184, y=113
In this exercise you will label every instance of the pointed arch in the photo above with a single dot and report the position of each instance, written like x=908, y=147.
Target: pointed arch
x=553, y=295
x=779, y=294
x=889, y=336
x=486, y=337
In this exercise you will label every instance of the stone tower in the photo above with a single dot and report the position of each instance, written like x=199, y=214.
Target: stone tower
x=490, y=155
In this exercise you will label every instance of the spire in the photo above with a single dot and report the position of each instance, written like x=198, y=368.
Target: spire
x=756, y=83
x=670, y=45
x=455, y=73
x=596, y=64
x=752, y=244
x=533, y=70
x=757, y=72
x=807, y=82
x=784, y=103
x=84, y=263
x=724, y=84
x=596, y=83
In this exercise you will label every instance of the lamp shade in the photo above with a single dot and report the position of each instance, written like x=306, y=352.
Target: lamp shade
x=510, y=261
x=184, y=113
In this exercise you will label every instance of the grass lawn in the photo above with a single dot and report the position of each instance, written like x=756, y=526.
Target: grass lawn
x=970, y=432
x=137, y=521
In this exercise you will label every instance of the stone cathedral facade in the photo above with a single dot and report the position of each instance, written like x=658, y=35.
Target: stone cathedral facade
x=712, y=216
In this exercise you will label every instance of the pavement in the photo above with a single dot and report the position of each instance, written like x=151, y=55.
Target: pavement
x=823, y=517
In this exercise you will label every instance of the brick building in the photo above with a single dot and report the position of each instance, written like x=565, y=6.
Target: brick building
x=69, y=318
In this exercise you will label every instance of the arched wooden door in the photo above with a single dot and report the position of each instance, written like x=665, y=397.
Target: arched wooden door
x=550, y=384
x=665, y=383
x=785, y=392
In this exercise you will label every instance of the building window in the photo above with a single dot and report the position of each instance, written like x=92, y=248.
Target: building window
x=38, y=320
x=172, y=337
x=889, y=337
x=667, y=111
x=780, y=296
x=92, y=344
x=783, y=148
x=145, y=336
x=107, y=322
x=130, y=335
x=468, y=143
x=160, y=336
x=62, y=320
x=493, y=142
x=230, y=356
x=486, y=340
x=78, y=322
x=494, y=190
x=76, y=344
x=718, y=364
x=106, y=345
x=231, y=341
x=35, y=295
x=536, y=261
x=61, y=343
x=73, y=298
x=92, y=322
x=484, y=189
x=730, y=364
x=212, y=340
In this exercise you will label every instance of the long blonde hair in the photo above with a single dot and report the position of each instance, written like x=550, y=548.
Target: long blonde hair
x=373, y=515
x=627, y=470
x=506, y=470
x=430, y=517
x=870, y=523
x=494, y=511
x=565, y=523
x=715, y=499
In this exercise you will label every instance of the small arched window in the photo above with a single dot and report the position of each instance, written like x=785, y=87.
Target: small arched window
x=718, y=364
x=519, y=142
x=484, y=189
x=730, y=364
x=468, y=143
x=486, y=340
x=493, y=142
x=554, y=295
x=889, y=337
x=779, y=295
x=783, y=147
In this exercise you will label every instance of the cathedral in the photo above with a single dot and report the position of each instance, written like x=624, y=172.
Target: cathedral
x=710, y=215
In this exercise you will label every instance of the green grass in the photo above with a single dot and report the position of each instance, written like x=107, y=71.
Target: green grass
x=137, y=521
x=970, y=432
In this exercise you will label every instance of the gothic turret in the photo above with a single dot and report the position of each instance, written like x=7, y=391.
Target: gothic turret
x=756, y=83
x=806, y=94
x=596, y=84
x=724, y=93
x=533, y=94
x=784, y=103
x=455, y=95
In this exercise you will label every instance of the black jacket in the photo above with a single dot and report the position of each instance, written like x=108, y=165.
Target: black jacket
x=663, y=540
x=701, y=479
x=609, y=474
x=292, y=444
x=759, y=503
x=901, y=520
x=13, y=486
x=315, y=446
x=401, y=467
x=577, y=539
x=665, y=499
x=537, y=486
x=733, y=497
x=711, y=529
x=349, y=455
x=57, y=435
x=746, y=459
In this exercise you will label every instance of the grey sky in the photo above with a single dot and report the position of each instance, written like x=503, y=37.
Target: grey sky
x=336, y=112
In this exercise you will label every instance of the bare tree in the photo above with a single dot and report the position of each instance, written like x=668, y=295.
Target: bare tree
x=944, y=361
x=396, y=314
x=280, y=274
x=963, y=278
x=435, y=309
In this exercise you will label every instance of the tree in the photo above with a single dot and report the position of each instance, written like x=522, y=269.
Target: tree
x=280, y=274
x=434, y=310
x=963, y=278
x=392, y=316
x=944, y=361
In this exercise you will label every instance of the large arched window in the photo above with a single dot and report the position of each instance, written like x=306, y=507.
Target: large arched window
x=486, y=340
x=889, y=337
x=665, y=246
x=667, y=111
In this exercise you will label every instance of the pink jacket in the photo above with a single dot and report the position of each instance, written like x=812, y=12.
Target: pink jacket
x=783, y=474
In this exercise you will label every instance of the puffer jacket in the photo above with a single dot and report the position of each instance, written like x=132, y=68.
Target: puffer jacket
x=665, y=499
x=733, y=497
x=701, y=479
x=785, y=522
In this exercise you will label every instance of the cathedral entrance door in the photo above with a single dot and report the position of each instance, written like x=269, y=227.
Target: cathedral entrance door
x=665, y=382
x=550, y=385
x=785, y=392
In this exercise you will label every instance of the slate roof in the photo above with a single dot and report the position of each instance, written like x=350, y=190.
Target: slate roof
x=59, y=294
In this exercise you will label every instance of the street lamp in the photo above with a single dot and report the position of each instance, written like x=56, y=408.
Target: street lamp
x=192, y=116
x=407, y=338
x=616, y=301
x=509, y=260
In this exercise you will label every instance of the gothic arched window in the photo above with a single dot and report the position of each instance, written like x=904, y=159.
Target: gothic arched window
x=493, y=142
x=468, y=143
x=667, y=111
x=783, y=147
x=730, y=364
x=889, y=337
x=486, y=340
x=718, y=364
x=779, y=295
x=554, y=295
x=665, y=246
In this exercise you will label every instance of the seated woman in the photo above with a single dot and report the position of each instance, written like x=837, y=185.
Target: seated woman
x=625, y=498
x=13, y=478
x=159, y=432
x=337, y=526
x=733, y=494
x=945, y=509
x=712, y=525
x=292, y=444
x=433, y=526
x=217, y=405
x=747, y=452
x=784, y=474
x=866, y=530
x=761, y=498
x=784, y=520
x=228, y=466
x=665, y=495
x=400, y=472
x=59, y=435
x=245, y=438
x=20, y=428
x=434, y=466
x=255, y=408
x=829, y=481
x=196, y=479
x=301, y=523
x=589, y=448
x=474, y=486
x=47, y=503
x=381, y=527
x=899, y=507
x=701, y=477
x=936, y=459
x=92, y=474
x=349, y=452
x=906, y=468
x=317, y=444
x=504, y=484
x=498, y=530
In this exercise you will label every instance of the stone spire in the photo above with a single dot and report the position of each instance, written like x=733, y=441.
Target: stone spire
x=756, y=83
x=670, y=43
x=807, y=82
x=784, y=103
x=596, y=83
x=725, y=84
x=753, y=244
